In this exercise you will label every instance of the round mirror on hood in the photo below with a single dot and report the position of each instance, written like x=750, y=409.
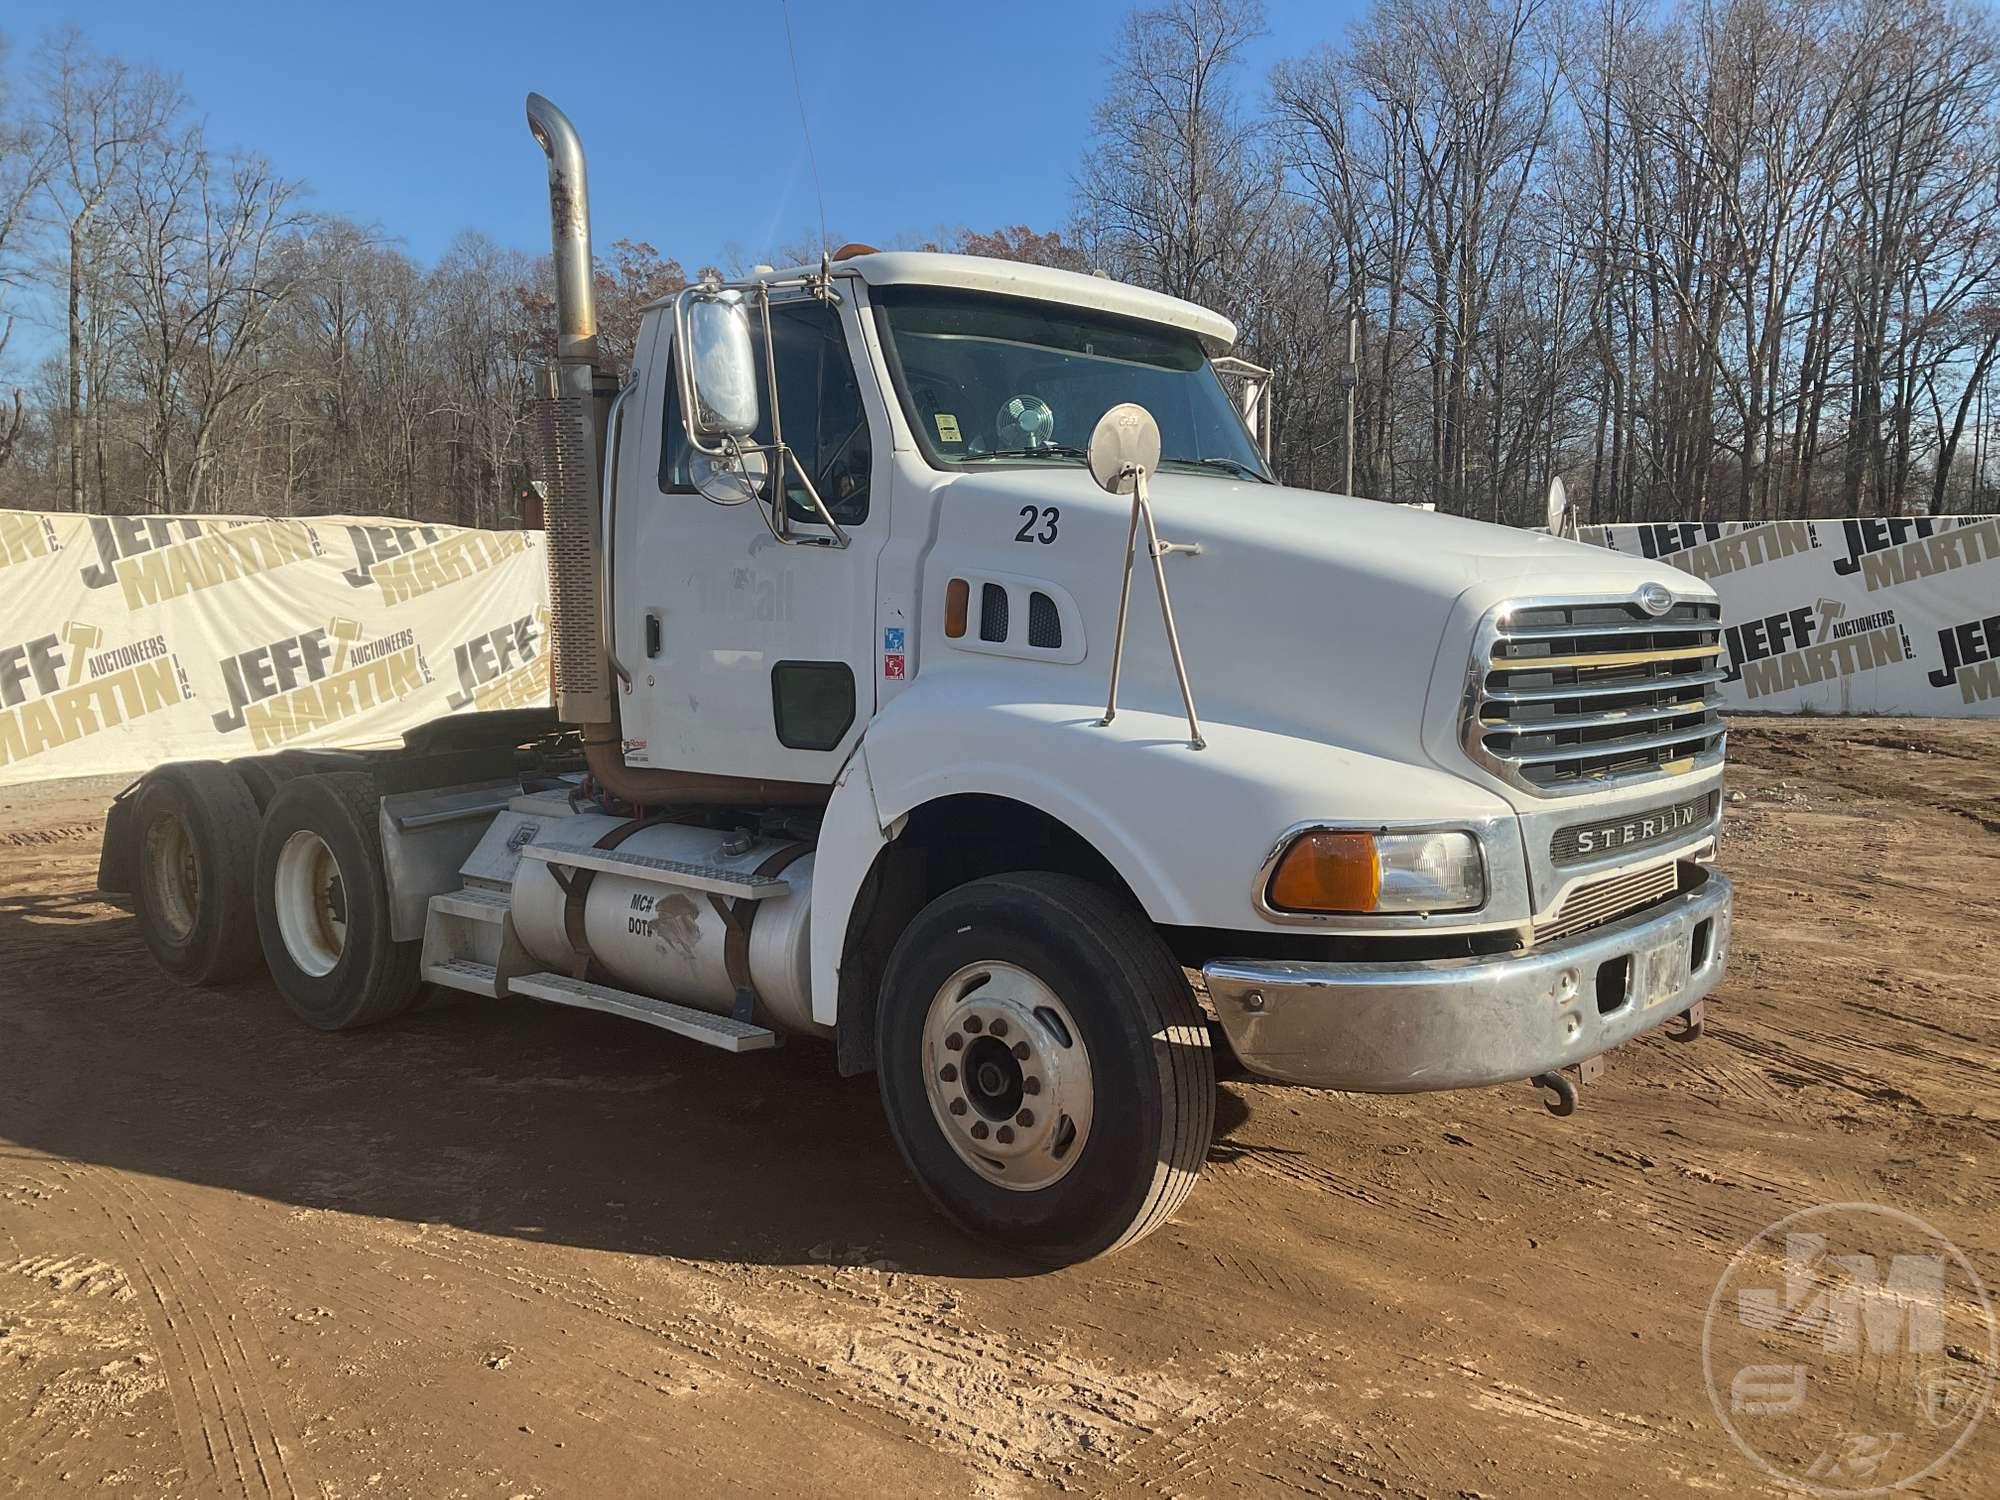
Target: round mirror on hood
x=1125, y=439
x=1558, y=508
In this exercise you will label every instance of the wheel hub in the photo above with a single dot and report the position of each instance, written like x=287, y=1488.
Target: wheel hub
x=172, y=877
x=311, y=902
x=1008, y=1075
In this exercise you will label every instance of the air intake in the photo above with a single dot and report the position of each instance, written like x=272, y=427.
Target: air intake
x=992, y=613
x=1044, y=622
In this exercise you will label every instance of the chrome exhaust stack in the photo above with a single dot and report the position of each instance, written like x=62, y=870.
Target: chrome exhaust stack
x=572, y=413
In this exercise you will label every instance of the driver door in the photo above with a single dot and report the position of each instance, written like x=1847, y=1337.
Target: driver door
x=747, y=656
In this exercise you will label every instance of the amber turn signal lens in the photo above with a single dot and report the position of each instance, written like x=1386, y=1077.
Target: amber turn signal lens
x=957, y=597
x=1328, y=872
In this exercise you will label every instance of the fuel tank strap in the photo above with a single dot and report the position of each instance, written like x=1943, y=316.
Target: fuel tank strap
x=737, y=918
x=576, y=891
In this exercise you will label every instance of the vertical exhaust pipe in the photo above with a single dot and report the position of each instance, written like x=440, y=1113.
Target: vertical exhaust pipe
x=571, y=429
x=569, y=233
x=581, y=388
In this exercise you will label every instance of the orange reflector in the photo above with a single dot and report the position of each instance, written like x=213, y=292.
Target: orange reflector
x=957, y=597
x=1328, y=872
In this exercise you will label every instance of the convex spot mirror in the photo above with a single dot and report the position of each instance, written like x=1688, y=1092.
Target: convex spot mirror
x=1126, y=439
x=1558, y=515
x=729, y=481
x=722, y=366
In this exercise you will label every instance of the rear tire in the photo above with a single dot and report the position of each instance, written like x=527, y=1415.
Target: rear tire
x=195, y=837
x=323, y=906
x=1021, y=1010
x=262, y=775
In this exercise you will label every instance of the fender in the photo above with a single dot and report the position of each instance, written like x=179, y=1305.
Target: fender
x=1187, y=829
x=850, y=836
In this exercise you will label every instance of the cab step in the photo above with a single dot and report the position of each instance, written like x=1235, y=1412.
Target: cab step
x=712, y=1030
x=670, y=872
x=465, y=974
x=475, y=904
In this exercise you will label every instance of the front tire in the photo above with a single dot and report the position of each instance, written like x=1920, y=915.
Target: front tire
x=323, y=906
x=1044, y=1067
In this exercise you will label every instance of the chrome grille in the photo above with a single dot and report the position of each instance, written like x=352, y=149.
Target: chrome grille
x=1579, y=696
x=1604, y=901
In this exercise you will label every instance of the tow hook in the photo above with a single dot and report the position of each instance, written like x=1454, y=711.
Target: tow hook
x=1562, y=1088
x=1686, y=1027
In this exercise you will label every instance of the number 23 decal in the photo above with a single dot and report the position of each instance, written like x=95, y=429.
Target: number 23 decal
x=1029, y=516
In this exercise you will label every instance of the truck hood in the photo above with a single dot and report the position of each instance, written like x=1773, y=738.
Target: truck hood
x=1305, y=613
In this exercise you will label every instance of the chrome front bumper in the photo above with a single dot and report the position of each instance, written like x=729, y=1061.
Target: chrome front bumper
x=1396, y=1028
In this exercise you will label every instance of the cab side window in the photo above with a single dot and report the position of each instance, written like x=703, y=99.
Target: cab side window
x=824, y=419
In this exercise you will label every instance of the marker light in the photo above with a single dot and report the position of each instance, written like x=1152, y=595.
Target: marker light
x=1359, y=873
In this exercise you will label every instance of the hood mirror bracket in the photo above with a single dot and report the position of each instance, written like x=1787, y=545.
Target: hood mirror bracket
x=1124, y=452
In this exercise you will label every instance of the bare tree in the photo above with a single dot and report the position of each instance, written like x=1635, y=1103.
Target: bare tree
x=98, y=113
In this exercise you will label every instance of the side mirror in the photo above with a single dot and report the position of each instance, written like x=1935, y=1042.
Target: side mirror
x=721, y=369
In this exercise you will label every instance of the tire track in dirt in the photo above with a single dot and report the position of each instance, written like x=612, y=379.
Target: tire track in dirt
x=218, y=1372
x=908, y=1369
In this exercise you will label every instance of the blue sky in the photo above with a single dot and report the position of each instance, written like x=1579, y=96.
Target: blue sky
x=408, y=116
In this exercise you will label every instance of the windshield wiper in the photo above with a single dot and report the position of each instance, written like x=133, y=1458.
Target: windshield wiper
x=1047, y=450
x=1230, y=465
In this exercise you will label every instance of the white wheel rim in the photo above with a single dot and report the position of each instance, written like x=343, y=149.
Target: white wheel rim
x=1008, y=1076
x=172, y=879
x=311, y=903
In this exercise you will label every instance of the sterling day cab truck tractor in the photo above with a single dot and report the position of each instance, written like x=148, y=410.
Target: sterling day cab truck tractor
x=940, y=672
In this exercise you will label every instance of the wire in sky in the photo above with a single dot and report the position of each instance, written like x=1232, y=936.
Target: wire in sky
x=799, y=94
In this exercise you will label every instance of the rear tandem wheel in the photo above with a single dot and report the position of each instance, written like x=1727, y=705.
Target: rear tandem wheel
x=323, y=906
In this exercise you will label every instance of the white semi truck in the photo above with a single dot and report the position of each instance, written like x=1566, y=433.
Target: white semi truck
x=869, y=730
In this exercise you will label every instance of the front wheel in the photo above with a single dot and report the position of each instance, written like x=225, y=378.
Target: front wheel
x=1043, y=1064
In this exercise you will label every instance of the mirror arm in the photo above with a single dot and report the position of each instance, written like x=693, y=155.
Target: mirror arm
x=780, y=522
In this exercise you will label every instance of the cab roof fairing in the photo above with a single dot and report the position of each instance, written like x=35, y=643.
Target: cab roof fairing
x=1009, y=278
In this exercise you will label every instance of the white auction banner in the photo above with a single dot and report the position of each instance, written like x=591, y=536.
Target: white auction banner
x=126, y=641
x=1874, y=616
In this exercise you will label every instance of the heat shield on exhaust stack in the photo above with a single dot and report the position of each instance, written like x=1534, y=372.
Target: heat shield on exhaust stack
x=569, y=461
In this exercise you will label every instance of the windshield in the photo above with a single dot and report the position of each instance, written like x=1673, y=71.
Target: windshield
x=988, y=379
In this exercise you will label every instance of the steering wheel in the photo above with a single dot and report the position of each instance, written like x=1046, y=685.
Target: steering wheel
x=1025, y=422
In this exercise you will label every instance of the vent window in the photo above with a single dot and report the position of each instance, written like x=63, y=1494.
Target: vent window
x=992, y=613
x=1044, y=623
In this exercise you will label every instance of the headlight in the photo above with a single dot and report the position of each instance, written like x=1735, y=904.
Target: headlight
x=1358, y=873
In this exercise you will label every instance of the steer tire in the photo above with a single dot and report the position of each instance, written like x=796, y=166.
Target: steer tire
x=195, y=845
x=323, y=906
x=1067, y=965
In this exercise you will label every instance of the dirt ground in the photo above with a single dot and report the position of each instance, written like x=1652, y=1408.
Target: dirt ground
x=501, y=1249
